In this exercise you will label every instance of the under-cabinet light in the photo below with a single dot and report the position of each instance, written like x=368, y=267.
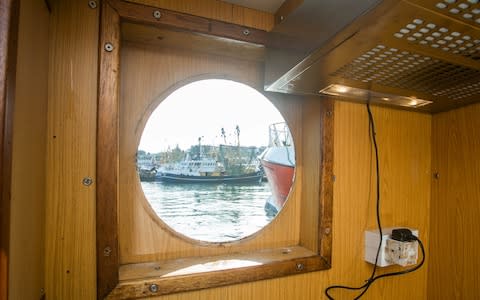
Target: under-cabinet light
x=340, y=89
x=362, y=95
x=413, y=102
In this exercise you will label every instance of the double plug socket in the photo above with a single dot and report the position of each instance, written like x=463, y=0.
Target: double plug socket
x=392, y=252
x=401, y=253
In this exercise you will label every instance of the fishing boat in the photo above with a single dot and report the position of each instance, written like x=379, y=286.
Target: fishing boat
x=147, y=167
x=147, y=174
x=224, y=165
x=278, y=162
x=207, y=170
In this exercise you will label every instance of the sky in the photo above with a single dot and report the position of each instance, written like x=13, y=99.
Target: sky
x=202, y=109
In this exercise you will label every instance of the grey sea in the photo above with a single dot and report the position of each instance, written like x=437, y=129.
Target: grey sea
x=210, y=212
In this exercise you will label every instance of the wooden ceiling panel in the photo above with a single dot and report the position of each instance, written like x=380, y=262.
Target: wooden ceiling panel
x=167, y=37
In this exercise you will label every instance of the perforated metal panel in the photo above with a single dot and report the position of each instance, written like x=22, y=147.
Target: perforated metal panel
x=412, y=71
x=466, y=11
x=429, y=34
x=428, y=49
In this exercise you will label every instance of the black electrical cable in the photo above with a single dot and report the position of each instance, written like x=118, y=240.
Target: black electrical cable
x=372, y=280
x=365, y=286
x=373, y=134
x=404, y=271
x=372, y=277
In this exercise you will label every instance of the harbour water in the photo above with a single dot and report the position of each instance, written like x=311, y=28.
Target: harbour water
x=210, y=212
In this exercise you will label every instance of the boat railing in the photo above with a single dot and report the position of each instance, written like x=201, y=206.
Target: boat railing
x=279, y=135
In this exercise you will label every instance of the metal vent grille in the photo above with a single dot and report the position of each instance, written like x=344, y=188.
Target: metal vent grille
x=466, y=10
x=407, y=70
x=430, y=34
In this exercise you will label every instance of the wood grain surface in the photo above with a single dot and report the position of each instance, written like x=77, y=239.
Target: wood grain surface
x=70, y=271
x=217, y=10
x=404, y=140
x=455, y=207
x=9, y=14
x=179, y=21
x=143, y=236
x=27, y=238
x=107, y=152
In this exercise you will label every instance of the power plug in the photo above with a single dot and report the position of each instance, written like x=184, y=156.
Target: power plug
x=403, y=235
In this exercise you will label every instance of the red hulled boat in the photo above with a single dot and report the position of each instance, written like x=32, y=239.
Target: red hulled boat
x=278, y=161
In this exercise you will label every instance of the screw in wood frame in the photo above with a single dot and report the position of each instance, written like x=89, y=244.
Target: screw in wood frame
x=300, y=266
x=157, y=14
x=153, y=288
x=87, y=181
x=107, y=251
x=92, y=4
x=108, y=47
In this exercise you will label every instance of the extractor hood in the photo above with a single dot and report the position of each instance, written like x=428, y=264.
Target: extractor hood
x=419, y=49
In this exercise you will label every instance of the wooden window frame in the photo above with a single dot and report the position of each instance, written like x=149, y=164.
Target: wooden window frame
x=9, y=16
x=108, y=259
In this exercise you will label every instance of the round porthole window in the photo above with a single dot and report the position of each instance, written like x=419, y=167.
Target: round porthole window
x=216, y=160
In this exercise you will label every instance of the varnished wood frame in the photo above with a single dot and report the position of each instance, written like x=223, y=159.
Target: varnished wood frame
x=107, y=152
x=9, y=17
x=136, y=13
x=108, y=264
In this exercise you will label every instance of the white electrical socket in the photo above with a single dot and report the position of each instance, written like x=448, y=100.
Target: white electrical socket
x=401, y=253
x=372, y=239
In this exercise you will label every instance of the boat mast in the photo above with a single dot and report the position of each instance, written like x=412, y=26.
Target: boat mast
x=237, y=131
x=200, y=151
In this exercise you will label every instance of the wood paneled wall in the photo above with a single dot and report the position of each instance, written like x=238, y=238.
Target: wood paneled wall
x=70, y=271
x=143, y=236
x=9, y=17
x=455, y=206
x=218, y=10
x=28, y=158
x=404, y=141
